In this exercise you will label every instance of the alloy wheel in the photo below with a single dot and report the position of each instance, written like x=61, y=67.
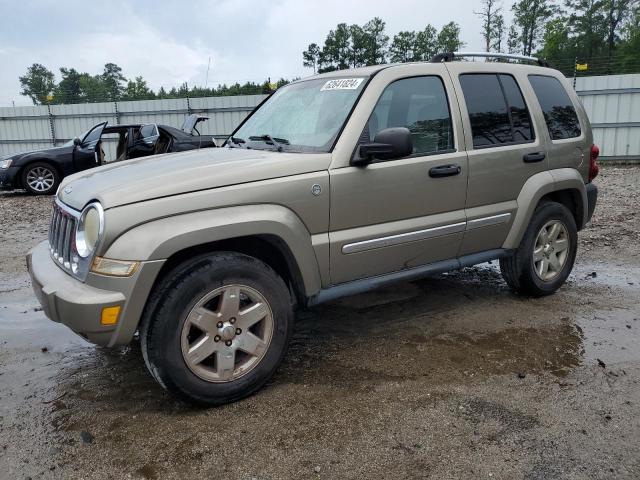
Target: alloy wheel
x=551, y=250
x=227, y=333
x=40, y=179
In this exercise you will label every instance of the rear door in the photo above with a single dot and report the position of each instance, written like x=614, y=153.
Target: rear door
x=145, y=140
x=87, y=154
x=505, y=148
x=398, y=214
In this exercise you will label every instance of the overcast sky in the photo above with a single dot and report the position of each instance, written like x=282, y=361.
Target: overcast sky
x=170, y=42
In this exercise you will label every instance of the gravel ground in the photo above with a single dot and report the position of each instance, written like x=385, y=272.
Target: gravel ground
x=449, y=377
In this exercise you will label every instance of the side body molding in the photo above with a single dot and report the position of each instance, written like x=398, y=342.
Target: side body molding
x=162, y=238
x=537, y=187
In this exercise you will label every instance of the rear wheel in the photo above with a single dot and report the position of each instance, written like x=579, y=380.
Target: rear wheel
x=217, y=328
x=546, y=255
x=40, y=179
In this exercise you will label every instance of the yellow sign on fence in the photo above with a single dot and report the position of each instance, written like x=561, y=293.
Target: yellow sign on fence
x=581, y=67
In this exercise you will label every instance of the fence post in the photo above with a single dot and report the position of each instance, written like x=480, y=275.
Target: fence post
x=52, y=126
x=188, y=106
x=117, y=112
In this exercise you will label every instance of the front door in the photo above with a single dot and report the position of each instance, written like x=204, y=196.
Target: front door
x=403, y=213
x=87, y=153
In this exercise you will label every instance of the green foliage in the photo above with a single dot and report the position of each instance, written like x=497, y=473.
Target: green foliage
x=111, y=85
x=350, y=46
x=38, y=84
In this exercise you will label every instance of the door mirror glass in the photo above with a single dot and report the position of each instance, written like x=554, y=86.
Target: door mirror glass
x=77, y=141
x=388, y=144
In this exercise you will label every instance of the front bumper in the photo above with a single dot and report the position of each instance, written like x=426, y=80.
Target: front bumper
x=592, y=198
x=9, y=178
x=79, y=305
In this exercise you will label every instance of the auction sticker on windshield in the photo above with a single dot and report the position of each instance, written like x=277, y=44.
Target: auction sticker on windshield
x=342, y=84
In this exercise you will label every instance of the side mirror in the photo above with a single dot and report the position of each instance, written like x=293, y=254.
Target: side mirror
x=77, y=141
x=389, y=144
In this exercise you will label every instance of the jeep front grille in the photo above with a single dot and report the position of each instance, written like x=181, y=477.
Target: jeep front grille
x=62, y=235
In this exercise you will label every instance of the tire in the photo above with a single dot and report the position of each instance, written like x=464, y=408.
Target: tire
x=183, y=315
x=40, y=178
x=524, y=271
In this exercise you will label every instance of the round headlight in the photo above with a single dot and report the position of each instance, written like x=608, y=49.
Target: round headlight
x=89, y=229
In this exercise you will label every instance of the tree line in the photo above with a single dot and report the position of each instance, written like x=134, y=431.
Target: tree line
x=605, y=34
x=350, y=46
x=111, y=85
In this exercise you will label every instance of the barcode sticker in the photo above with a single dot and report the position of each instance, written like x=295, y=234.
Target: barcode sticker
x=342, y=84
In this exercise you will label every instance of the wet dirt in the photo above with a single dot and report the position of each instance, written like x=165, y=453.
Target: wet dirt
x=448, y=377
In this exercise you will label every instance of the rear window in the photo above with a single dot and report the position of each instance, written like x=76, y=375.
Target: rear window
x=497, y=111
x=559, y=112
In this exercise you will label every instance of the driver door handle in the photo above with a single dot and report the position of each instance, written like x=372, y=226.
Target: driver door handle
x=534, y=157
x=445, y=171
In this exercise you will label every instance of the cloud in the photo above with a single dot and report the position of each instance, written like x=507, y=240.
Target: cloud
x=169, y=43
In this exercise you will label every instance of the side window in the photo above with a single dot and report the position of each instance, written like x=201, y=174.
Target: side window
x=149, y=130
x=419, y=104
x=497, y=110
x=559, y=112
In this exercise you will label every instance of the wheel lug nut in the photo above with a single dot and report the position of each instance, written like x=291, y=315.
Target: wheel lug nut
x=232, y=320
x=228, y=343
x=238, y=331
x=216, y=338
x=219, y=324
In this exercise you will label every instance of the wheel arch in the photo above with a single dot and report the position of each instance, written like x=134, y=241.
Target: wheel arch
x=271, y=233
x=564, y=185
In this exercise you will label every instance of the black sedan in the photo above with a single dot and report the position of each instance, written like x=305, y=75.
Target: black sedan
x=40, y=172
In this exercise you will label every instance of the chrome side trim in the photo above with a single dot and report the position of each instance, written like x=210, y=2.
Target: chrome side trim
x=403, y=238
x=487, y=221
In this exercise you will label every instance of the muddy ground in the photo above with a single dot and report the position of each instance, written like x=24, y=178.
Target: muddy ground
x=450, y=377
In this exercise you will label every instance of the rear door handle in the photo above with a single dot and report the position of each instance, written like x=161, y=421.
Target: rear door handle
x=445, y=171
x=534, y=157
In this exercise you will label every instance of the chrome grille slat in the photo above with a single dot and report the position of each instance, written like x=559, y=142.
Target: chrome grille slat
x=61, y=235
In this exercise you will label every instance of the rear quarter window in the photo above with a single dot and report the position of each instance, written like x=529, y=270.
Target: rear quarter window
x=559, y=112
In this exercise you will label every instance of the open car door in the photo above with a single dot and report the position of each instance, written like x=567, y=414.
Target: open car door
x=189, y=126
x=88, y=152
x=145, y=141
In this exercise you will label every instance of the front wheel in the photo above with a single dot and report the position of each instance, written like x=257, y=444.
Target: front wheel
x=217, y=328
x=546, y=255
x=40, y=179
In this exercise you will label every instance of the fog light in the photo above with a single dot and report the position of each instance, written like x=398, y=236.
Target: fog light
x=110, y=315
x=113, y=268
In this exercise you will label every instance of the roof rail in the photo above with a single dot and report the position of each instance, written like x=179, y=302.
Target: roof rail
x=450, y=56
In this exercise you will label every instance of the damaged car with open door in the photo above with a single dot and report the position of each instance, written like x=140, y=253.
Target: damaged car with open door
x=40, y=172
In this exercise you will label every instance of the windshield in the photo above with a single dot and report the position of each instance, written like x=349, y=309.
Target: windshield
x=302, y=117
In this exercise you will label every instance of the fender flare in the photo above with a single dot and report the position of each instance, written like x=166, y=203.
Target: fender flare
x=537, y=187
x=161, y=238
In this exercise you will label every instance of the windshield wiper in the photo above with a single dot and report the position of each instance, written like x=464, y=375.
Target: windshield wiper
x=276, y=142
x=236, y=141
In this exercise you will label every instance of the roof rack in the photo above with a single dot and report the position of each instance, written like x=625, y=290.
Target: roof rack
x=450, y=56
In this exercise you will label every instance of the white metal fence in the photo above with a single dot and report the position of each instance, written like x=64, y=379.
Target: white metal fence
x=612, y=103
x=42, y=126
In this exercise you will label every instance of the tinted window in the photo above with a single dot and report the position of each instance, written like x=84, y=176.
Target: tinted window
x=520, y=119
x=419, y=104
x=556, y=105
x=497, y=111
x=148, y=131
x=93, y=135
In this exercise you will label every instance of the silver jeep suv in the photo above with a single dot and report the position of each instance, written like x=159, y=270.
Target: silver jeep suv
x=336, y=184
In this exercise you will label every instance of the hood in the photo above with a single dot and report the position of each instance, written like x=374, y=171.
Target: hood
x=46, y=151
x=158, y=176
